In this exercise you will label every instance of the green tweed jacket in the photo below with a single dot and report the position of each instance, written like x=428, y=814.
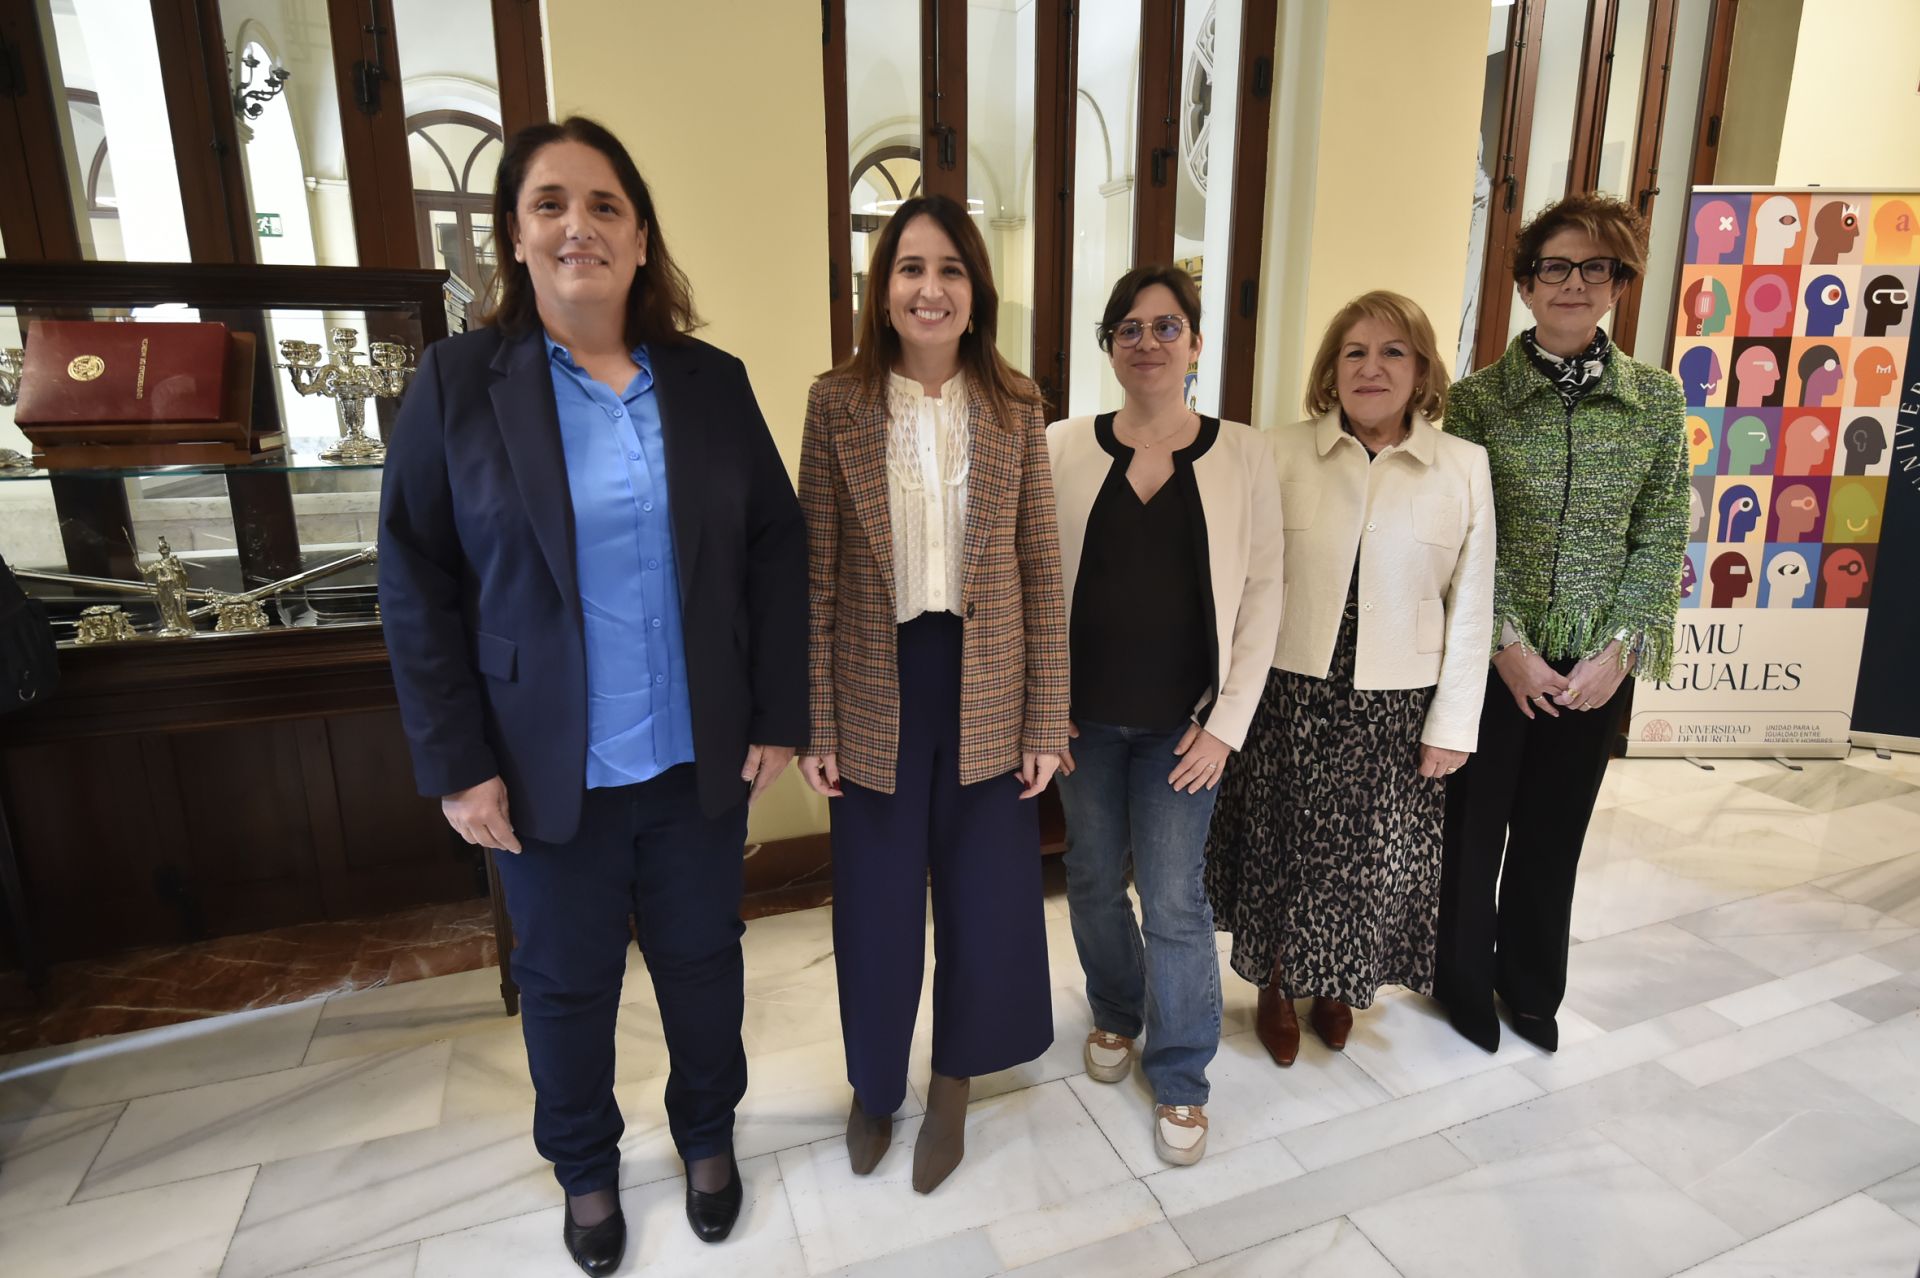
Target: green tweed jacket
x=1591, y=506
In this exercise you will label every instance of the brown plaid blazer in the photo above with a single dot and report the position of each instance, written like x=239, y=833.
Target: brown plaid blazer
x=1013, y=664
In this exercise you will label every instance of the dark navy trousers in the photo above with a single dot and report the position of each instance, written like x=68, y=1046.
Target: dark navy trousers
x=980, y=845
x=647, y=851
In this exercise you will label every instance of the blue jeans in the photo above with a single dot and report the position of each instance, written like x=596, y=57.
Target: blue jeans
x=1119, y=807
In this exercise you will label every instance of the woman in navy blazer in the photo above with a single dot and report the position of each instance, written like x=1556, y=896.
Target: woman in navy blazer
x=593, y=578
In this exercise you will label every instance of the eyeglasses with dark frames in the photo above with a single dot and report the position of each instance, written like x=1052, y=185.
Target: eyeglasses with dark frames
x=1595, y=270
x=1166, y=330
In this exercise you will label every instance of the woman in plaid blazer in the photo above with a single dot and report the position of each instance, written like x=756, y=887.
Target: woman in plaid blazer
x=938, y=666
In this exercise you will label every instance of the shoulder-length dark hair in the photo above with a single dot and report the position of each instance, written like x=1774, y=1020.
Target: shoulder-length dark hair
x=878, y=345
x=660, y=303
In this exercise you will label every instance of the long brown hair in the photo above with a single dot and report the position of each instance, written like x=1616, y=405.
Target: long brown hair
x=660, y=303
x=878, y=345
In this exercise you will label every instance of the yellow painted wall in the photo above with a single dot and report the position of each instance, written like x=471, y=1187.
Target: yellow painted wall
x=721, y=104
x=1392, y=169
x=1853, y=111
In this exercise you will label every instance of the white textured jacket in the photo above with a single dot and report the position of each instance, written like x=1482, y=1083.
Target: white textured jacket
x=1419, y=521
x=1238, y=501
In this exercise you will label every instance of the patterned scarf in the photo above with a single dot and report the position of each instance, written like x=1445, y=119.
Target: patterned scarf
x=1573, y=378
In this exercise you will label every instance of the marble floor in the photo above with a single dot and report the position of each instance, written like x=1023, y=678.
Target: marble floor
x=1737, y=1094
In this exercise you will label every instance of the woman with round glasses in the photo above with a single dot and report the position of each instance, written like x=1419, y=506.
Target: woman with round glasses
x=1589, y=456
x=1170, y=553
x=1324, y=861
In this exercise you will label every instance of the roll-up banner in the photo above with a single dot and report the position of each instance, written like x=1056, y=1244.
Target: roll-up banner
x=1795, y=346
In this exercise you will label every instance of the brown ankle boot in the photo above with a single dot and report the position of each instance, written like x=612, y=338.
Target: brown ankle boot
x=1276, y=1026
x=1332, y=1021
x=868, y=1138
x=943, y=1133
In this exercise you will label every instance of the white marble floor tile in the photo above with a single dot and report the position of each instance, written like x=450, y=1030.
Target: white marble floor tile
x=1344, y=1189
x=792, y=1009
x=1832, y=980
x=1868, y=832
x=42, y=1160
x=1153, y=1252
x=394, y=1262
x=1891, y=887
x=1752, y=862
x=1620, y=894
x=789, y=944
x=1768, y=1146
x=1642, y=779
x=1794, y=929
x=1882, y=1063
x=1855, y=1236
x=123, y=1066
x=1405, y=1044
x=659, y=1243
x=366, y=1198
x=1824, y=786
x=1578, y=1207
x=390, y=1017
x=1222, y=1175
x=1336, y=1249
x=1408, y=1117
x=1051, y=1231
x=1625, y=1048
x=1251, y=1099
x=1535, y=1124
x=1622, y=980
x=1902, y=1193
x=1710, y=813
x=967, y=1255
x=1024, y=1151
x=488, y=1070
x=1895, y=996
x=1768, y=1041
x=269, y=1117
x=1902, y=955
x=178, y=1230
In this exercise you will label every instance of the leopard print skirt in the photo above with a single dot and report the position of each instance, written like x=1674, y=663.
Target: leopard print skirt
x=1325, y=846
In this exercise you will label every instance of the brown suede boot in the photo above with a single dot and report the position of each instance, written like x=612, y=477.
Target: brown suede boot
x=1276, y=1026
x=1332, y=1021
x=943, y=1133
x=868, y=1138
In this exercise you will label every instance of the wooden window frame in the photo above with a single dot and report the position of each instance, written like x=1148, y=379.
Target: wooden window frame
x=1509, y=176
x=1240, y=325
x=943, y=99
x=1655, y=83
x=1157, y=142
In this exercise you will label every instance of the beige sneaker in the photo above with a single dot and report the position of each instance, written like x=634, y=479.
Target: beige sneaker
x=1109, y=1056
x=1180, y=1132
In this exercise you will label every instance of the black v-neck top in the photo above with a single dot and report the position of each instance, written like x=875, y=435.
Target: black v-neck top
x=1142, y=639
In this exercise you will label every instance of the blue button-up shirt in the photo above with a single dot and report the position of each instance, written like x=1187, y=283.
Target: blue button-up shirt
x=639, y=717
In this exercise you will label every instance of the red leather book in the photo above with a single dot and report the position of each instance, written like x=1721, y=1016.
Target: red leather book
x=103, y=371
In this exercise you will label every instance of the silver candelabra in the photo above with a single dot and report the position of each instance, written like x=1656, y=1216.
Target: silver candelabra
x=349, y=385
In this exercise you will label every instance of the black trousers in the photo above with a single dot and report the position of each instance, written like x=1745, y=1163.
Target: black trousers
x=1525, y=796
x=644, y=850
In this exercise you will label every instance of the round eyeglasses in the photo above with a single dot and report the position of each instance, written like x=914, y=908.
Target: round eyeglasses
x=1595, y=270
x=1166, y=330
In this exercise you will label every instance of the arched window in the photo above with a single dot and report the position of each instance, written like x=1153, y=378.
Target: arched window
x=884, y=179
x=455, y=155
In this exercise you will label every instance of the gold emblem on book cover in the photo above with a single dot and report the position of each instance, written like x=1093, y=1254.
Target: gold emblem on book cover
x=84, y=368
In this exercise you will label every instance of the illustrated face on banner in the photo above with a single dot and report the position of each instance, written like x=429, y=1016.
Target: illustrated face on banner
x=1827, y=302
x=1777, y=224
x=1836, y=233
x=1788, y=582
x=1853, y=509
x=1873, y=375
x=1731, y=580
x=1818, y=369
x=1806, y=446
x=1894, y=229
x=1767, y=300
x=1844, y=578
x=1866, y=444
x=1716, y=234
x=1748, y=444
x=1696, y=512
x=1740, y=513
x=1706, y=307
x=1690, y=576
x=1757, y=376
x=1700, y=440
x=1797, y=515
x=1887, y=299
x=1700, y=374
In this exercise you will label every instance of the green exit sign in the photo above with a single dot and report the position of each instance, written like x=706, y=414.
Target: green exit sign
x=267, y=226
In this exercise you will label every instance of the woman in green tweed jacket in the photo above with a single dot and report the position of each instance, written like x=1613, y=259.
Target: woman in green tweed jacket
x=1589, y=459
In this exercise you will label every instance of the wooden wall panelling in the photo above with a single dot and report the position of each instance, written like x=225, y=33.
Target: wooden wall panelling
x=1259, y=26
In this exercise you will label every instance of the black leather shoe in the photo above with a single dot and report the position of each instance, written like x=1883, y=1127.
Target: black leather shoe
x=1481, y=1028
x=597, y=1249
x=1542, y=1031
x=712, y=1215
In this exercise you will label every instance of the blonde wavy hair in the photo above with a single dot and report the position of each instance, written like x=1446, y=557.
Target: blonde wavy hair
x=1404, y=316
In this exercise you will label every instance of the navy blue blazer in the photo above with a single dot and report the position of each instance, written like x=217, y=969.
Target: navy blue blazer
x=482, y=607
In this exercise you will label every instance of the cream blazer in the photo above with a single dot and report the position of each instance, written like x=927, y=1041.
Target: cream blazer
x=1419, y=521
x=1237, y=501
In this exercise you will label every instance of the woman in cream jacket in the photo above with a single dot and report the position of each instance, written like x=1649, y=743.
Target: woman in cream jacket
x=1170, y=549
x=1324, y=858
